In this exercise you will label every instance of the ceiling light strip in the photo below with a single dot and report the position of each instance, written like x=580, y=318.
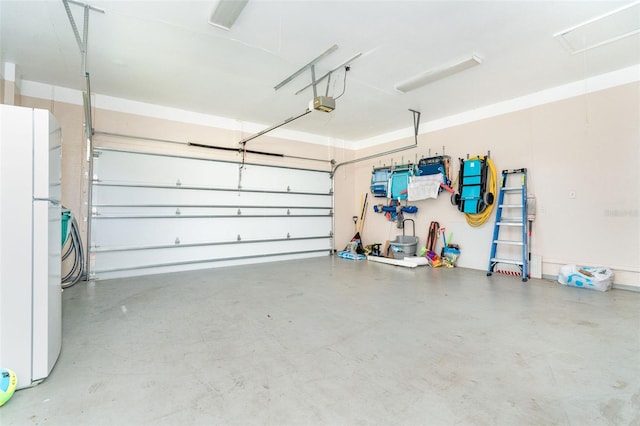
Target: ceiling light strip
x=437, y=74
x=304, y=68
x=226, y=13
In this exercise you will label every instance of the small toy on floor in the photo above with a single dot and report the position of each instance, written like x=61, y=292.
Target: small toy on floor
x=8, y=382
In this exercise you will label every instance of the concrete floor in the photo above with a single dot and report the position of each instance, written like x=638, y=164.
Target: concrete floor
x=331, y=341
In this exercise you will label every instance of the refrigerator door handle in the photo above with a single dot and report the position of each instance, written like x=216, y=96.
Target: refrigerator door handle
x=51, y=200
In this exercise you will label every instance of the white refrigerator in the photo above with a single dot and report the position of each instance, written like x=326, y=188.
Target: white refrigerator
x=30, y=243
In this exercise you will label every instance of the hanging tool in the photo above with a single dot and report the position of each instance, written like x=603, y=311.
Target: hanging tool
x=432, y=236
x=531, y=216
x=363, y=212
x=359, y=220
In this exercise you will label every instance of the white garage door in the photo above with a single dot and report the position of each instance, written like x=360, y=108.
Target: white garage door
x=157, y=213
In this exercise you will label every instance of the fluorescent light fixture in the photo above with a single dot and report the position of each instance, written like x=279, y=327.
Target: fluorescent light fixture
x=437, y=74
x=616, y=25
x=226, y=13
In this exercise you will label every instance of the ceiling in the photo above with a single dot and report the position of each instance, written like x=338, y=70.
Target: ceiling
x=166, y=53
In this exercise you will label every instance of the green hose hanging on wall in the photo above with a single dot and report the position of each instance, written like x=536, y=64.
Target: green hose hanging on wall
x=72, y=241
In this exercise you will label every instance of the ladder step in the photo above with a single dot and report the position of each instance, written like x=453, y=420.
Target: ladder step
x=509, y=261
x=510, y=223
x=508, y=242
x=511, y=205
x=512, y=171
x=512, y=189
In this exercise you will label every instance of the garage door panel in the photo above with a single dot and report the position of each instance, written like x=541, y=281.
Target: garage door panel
x=119, y=233
x=154, y=212
x=133, y=259
x=132, y=195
